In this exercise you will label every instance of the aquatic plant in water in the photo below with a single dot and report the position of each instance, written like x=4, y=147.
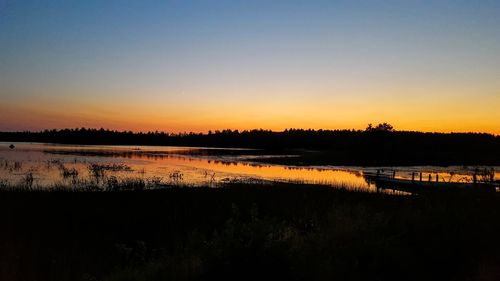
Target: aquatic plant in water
x=28, y=180
x=67, y=172
x=176, y=176
x=3, y=184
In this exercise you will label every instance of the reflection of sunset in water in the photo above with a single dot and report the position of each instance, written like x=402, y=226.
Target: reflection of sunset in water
x=273, y=172
x=159, y=162
x=198, y=166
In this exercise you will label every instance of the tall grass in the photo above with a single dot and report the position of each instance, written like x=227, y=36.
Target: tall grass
x=240, y=231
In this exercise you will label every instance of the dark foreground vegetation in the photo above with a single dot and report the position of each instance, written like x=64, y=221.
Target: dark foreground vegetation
x=379, y=145
x=248, y=232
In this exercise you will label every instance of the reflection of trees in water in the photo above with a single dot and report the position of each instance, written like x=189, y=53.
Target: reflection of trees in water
x=155, y=155
x=377, y=145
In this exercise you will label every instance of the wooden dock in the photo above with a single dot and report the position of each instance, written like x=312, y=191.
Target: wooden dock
x=417, y=184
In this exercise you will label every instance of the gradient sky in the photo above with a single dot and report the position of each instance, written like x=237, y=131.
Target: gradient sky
x=206, y=65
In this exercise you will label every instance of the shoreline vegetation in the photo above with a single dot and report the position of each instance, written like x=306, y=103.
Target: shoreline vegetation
x=376, y=146
x=108, y=228
x=248, y=231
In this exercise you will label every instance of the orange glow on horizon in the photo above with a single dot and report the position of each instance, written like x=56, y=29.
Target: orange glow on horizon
x=405, y=113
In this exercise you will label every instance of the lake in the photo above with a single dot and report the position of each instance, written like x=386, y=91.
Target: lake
x=48, y=165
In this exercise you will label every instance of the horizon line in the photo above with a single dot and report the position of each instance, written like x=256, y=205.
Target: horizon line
x=215, y=131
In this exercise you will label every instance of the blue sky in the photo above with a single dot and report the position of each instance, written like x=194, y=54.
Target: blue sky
x=200, y=65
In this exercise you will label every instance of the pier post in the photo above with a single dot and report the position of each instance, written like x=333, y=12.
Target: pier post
x=429, y=177
x=412, y=176
x=420, y=176
x=437, y=178
x=393, y=174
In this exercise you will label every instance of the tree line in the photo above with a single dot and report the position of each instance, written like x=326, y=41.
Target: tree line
x=381, y=135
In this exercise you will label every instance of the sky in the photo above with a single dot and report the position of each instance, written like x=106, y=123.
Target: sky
x=185, y=65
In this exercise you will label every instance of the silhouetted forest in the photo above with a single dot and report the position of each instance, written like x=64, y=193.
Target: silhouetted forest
x=378, y=145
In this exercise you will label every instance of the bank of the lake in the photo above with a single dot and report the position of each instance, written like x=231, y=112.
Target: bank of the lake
x=248, y=232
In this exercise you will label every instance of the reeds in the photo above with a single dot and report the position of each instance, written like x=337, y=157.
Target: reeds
x=115, y=184
x=12, y=166
x=98, y=170
x=68, y=172
x=27, y=181
x=276, y=230
x=176, y=176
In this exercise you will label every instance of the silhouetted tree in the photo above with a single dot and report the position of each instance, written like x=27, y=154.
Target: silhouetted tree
x=381, y=127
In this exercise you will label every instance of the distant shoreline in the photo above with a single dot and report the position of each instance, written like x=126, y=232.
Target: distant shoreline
x=313, y=147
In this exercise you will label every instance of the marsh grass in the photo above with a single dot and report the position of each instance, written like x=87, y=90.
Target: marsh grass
x=68, y=172
x=246, y=231
x=28, y=180
x=176, y=176
x=117, y=184
x=11, y=166
x=98, y=170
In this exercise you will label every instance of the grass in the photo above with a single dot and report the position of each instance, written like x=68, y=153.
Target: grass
x=12, y=166
x=247, y=231
x=98, y=170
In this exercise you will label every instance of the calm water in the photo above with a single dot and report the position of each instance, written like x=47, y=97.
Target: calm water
x=52, y=165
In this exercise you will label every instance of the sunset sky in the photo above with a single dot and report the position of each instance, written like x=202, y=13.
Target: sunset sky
x=206, y=65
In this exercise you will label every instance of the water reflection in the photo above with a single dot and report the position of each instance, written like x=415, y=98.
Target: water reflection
x=47, y=165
